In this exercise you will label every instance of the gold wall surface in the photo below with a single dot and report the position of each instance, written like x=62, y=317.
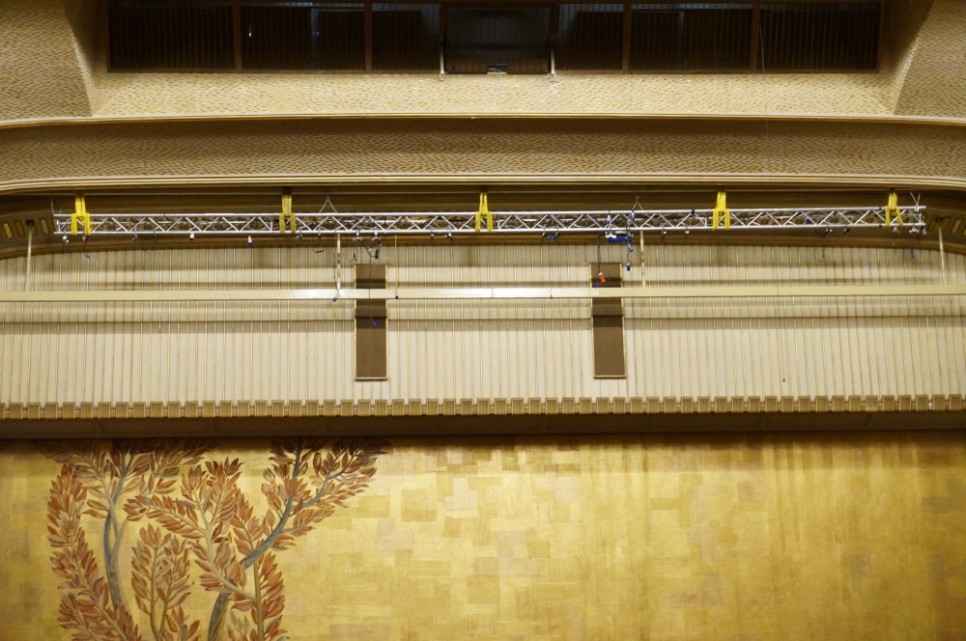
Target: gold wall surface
x=123, y=354
x=705, y=538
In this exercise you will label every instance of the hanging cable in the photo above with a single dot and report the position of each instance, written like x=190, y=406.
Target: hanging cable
x=30, y=245
x=601, y=279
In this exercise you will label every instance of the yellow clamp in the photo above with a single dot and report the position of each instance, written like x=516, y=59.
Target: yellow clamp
x=286, y=216
x=892, y=209
x=484, y=211
x=721, y=213
x=80, y=215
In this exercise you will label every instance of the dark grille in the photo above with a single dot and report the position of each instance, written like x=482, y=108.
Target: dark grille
x=167, y=35
x=302, y=35
x=405, y=37
x=820, y=37
x=501, y=39
x=589, y=37
x=691, y=37
x=668, y=36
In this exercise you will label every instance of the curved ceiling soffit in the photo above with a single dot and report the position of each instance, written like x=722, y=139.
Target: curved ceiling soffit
x=934, y=82
x=545, y=150
x=42, y=71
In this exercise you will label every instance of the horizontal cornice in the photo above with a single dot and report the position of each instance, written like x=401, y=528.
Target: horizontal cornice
x=892, y=119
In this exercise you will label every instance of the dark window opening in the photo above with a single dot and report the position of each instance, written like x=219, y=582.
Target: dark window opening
x=302, y=35
x=166, y=35
x=690, y=37
x=589, y=37
x=820, y=37
x=498, y=40
x=658, y=36
x=405, y=37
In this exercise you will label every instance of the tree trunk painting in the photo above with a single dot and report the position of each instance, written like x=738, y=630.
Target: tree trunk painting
x=192, y=514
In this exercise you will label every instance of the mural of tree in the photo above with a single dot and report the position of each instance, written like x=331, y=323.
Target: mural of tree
x=192, y=510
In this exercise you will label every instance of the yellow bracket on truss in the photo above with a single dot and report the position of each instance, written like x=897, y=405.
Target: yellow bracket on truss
x=80, y=215
x=721, y=214
x=286, y=219
x=891, y=210
x=484, y=211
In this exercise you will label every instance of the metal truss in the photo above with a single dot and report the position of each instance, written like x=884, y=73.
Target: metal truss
x=616, y=225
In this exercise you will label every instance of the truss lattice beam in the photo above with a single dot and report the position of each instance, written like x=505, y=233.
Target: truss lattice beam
x=616, y=224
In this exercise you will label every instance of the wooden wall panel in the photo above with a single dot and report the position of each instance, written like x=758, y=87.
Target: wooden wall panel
x=129, y=353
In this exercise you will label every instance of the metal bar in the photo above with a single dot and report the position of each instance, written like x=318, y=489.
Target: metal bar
x=613, y=223
x=479, y=293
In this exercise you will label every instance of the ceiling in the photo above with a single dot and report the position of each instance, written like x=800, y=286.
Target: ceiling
x=167, y=142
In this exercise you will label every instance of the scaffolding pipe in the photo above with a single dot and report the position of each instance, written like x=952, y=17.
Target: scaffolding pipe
x=480, y=293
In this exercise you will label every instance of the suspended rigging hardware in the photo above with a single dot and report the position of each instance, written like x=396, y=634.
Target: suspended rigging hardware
x=619, y=223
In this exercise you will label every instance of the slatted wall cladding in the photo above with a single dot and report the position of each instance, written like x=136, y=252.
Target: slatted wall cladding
x=819, y=37
x=405, y=37
x=713, y=36
x=171, y=34
x=589, y=37
x=690, y=37
x=303, y=36
x=305, y=351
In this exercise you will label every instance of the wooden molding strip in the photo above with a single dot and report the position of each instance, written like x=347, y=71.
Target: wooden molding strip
x=865, y=118
x=500, y=407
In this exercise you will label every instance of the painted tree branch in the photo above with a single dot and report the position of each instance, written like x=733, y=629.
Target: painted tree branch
x=86, y=608
x=290, y=498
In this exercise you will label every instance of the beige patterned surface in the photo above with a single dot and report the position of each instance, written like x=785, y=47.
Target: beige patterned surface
x=215, y=94
x=119, y=94
x=486, y=150
x=935, y=84
x=39, y=72
x=693, y=538
x=51, y=56
x=85, y=19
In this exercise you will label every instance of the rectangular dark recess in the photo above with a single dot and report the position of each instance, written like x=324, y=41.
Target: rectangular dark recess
x=405, y=37
x=662, y=37
x=303, y=35
x=497, y=39
x=687, y=36
x=166, y=35
x=607, y=316
x=590, y=37
x=831, y=36
x=371, y=325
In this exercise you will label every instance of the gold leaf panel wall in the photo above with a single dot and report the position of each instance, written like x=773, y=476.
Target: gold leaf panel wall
x=751, y=538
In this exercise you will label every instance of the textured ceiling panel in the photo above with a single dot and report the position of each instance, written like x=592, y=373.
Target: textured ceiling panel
x=376, y=149
x=39, y=69
x=935, y=83
x=128, y=94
